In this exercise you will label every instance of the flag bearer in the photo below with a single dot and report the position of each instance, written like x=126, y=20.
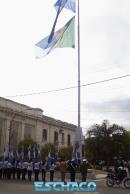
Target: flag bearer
x=30, y=170
x=44, y=169
x=36, y=169
x=19, y=169
x=52, y=169
x=5, y=168
x=9, y=169
x=24, y=170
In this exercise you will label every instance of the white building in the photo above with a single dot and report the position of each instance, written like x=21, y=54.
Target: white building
x=18, y=122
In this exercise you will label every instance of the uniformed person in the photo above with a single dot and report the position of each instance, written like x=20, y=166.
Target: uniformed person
x=44, y=169
x=24, y=169
x=52, y=170
x=84, y=169
x=19, y=169
x=5, y=168
x=72, y=168
x=63, y=169
x=9, y=170
x=36, y=170
x=14, y=164
x=30, y=170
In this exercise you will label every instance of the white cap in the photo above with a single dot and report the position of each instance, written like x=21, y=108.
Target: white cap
x=84, y=160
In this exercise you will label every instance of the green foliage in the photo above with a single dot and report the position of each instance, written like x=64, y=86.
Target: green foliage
x=105, y=141
x=65, y=153
x=44, y=150
x=26, y=143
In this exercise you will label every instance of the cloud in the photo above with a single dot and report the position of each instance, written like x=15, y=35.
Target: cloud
x=115, y=105
x=115, y=111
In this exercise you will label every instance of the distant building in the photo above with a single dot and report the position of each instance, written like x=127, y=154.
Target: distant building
x=18, y=122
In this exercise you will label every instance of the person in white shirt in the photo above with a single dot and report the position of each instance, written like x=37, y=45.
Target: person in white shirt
x=30, y=170
x=52, y=169
x=44, y=169
x=36, y=169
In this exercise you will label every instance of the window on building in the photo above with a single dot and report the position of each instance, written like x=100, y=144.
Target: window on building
x=28, y=131
x=14, y=133
x=55, y=136
x=68, y=139
x=44, y=135
x=63, y=138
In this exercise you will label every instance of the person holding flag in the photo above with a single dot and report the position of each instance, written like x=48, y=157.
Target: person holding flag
x=24, y=169
x=50, y=164
x=5, y=162
x=19, y=169
x=10, y=161
x=44, y=169
x=56, y=152
x=14, y=165
x=37, y=167
x=30, y=169
x=52, y=169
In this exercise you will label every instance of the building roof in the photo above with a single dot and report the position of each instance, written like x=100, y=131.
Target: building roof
x=11, y=106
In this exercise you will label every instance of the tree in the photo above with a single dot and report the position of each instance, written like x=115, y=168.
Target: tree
x=25, y=143
x=44, y=150
x=65, y=153
x=106, y=141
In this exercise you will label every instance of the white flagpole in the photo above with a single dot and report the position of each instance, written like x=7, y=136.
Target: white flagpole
x=79, y=132
x=78, y=66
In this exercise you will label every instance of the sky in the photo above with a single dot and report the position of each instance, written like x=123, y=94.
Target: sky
x=105, y=48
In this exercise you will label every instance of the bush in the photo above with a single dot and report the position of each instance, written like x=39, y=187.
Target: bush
x=44, y=150
x=26, y=143
x=65, y=153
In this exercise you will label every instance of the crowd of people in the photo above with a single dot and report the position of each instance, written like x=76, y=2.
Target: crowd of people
x=36, y=169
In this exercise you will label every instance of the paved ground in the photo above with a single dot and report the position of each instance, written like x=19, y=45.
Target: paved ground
x=15, y=187
x=26, y=187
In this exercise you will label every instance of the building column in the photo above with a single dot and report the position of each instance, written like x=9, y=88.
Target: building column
x=7, y=132
x=22, y=131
